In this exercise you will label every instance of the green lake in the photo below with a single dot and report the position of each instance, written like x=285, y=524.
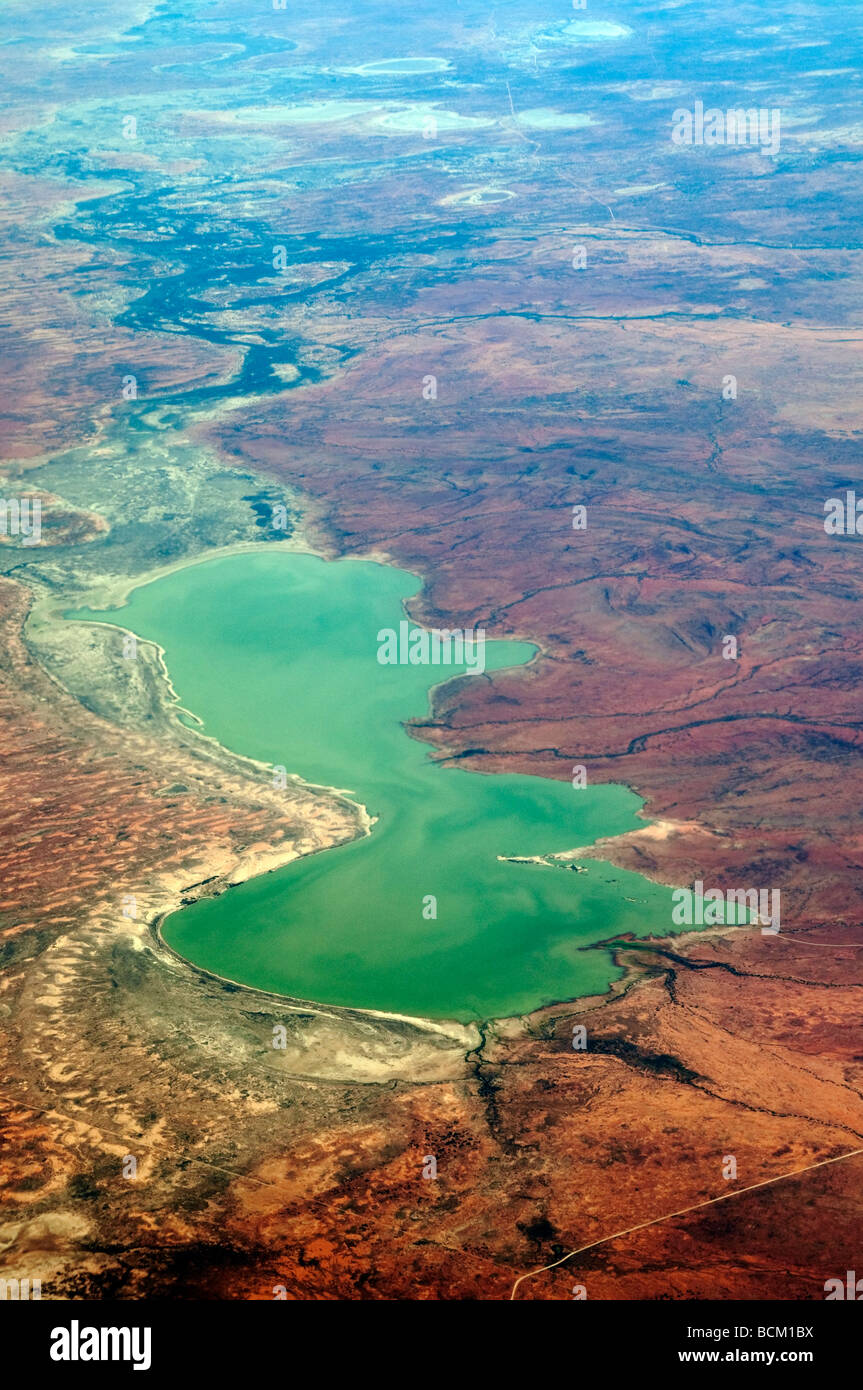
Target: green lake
x=277, y=653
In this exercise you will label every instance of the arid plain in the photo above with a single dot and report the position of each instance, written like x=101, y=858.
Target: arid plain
x=515, y=223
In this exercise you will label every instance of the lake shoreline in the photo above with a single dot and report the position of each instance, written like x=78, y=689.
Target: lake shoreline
x=297, y=713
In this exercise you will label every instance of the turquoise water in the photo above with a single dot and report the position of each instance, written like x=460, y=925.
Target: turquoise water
x=277, y=653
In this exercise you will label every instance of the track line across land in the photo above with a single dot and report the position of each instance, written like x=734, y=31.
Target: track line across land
x=684, y=1211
